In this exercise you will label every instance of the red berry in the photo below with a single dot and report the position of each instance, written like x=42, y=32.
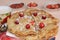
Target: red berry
x=56, y=6
x=43, y=17
x=29, y=5
x=32, y=22
x=5, y=19
x=21, y=15
x=35, y=14
x=32, y=4
x=27, y=26
x=16, y=22
x=49, y=6
x=41, y=25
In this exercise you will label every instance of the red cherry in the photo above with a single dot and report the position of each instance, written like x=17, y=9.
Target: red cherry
x=21, y=15
x=16, y=22
x=27, y=26
x=35, y=14
x=41, y=25
x=43, y=17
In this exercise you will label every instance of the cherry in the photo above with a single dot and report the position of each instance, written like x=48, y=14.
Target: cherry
x=35, y=14
x=21, y=15
x=16, y=22
x=41, y=25
x=44, y=17
x=27, y=26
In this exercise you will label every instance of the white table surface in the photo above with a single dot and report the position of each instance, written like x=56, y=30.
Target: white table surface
x=41, y=3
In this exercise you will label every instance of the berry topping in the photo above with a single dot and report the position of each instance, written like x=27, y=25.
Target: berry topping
x=35, y=14
x=41, y=25
x=32, y=22
x=16, y=22
x=53, y=6
x=21, y=14
x=27, y=26
x=32, y=4
x=49, y=6
x=43, y=17
x=18, y=5
x=5, y=19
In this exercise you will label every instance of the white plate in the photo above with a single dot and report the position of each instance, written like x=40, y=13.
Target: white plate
x=41, y=3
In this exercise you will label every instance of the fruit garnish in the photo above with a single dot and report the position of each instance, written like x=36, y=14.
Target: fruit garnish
x=21, y=14
x=18, y=5
x=53, y=6
x=16, y=22
x=35, y=14
x=43, y=17
x=32, y=4
x=5, y=19
x=27, y=26
x=41, y=25
x=32, y=22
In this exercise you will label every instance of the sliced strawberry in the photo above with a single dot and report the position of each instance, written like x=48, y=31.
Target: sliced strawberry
x=27, y=26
